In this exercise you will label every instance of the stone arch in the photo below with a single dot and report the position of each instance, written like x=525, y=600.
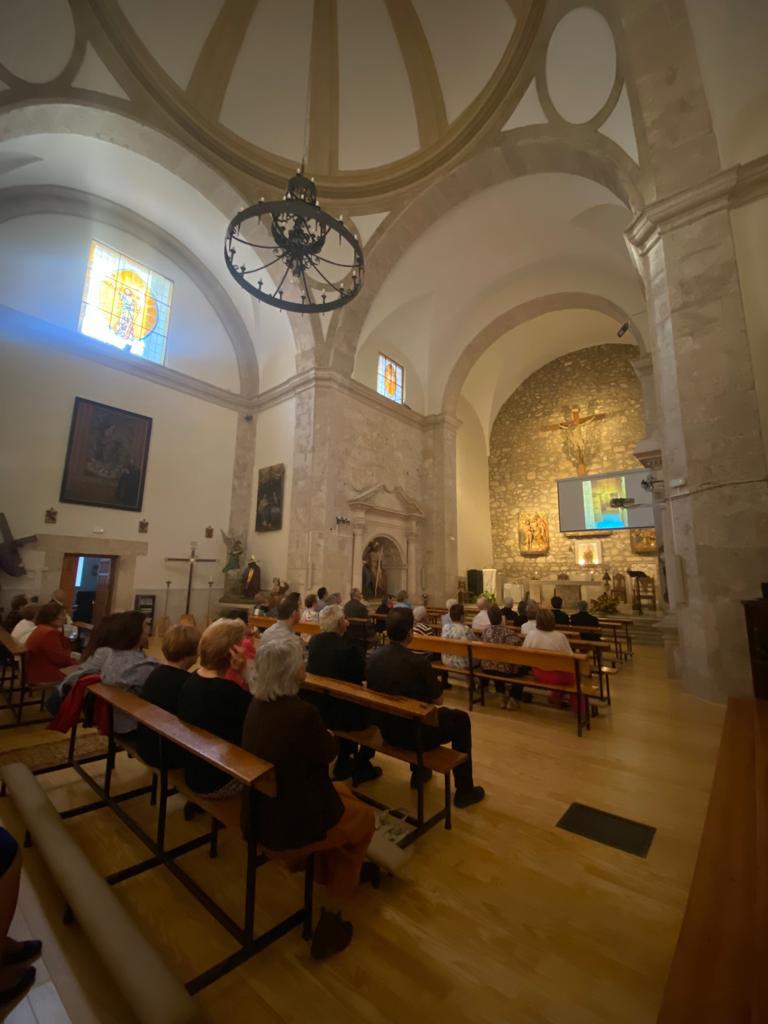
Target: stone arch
x=533, y=150
x=23, y=201
x=99, y=121
x=514, y=318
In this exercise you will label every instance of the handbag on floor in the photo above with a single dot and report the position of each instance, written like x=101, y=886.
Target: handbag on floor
x=384, y=848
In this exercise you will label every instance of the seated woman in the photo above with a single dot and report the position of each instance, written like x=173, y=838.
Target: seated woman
x=310, y=814
x=126, y=664
x=421, y=626
x=47, y=650
x=26, y=623
x=497, y=633
x=456, y=630
x=163, y=687
x=546, y=638
x=211, y=701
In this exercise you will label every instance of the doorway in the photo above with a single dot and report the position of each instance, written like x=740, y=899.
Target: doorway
x=88, y=582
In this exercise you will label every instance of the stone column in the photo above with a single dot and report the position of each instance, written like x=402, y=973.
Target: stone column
x=242, y=477
x=440, y=527
x=414, y=590
x=358, y=528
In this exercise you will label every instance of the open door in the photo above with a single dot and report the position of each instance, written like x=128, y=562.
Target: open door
x=105, y=581
x=67, y=583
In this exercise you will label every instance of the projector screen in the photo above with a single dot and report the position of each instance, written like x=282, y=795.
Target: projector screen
x=585, y=502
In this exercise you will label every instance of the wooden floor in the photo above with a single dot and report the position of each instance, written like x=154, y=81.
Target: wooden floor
x=505, y=920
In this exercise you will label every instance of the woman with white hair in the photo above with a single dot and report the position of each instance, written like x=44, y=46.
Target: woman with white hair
x=309, y=814
x=421, y=626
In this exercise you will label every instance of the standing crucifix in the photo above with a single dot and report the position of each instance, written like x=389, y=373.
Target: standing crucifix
x=192, y=560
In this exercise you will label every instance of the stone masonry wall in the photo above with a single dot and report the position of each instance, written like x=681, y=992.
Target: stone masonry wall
x=526, y=459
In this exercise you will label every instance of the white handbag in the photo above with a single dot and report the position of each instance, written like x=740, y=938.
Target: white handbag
x=385, y=849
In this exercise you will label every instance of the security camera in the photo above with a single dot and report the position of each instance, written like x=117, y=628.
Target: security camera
x=622, y=330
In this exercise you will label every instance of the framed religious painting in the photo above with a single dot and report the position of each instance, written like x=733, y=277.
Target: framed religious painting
x=533, y=533
x=269, y=498
x=107, y=455
x=642, y=540
x=588, y=552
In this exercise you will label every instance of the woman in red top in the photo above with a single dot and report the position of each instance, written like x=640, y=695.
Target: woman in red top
x=47, y=650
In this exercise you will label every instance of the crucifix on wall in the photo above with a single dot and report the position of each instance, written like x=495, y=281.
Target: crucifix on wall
x=192, y=560
x=579, y=434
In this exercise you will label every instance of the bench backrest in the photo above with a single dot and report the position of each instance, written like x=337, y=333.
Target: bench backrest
x=232, y=760
x=439, y=645
x=265, y=621
x=509, y=654
x=11, y=645
x=383, y=703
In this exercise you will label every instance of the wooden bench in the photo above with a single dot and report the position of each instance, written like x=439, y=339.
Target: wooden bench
x=597, y=648
x=440, y=759
x=475, y=651
x=621, y=630
x=718, y=971
x=302, y=628
x=17, y=661
x=238, y=764
x=149, y=988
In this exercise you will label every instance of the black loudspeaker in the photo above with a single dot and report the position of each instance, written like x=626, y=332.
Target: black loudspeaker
x=475, y=581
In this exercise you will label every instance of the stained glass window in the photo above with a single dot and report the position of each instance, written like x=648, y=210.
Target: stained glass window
x=125, y=304
x=389, y=380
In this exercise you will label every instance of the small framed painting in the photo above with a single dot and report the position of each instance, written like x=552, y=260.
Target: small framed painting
x=588, y=552
x=642, y=540
x=269, y=498
x=107, y=455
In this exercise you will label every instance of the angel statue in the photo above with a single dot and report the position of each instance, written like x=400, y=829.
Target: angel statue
x=235, y=549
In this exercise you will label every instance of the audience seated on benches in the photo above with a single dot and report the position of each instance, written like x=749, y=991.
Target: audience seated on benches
x=497, y=633
x=211, y=701
x=445, y=620
x=561, y=618
x=481, y=620
x=545, y=637
x=16, y=973
x=393, y=669
x=287, y=616
x=583, y=618
x=26, y=624
x=421, y=626
x=456, y=630
x=127, y=664
x=531, y=611
x=310, y=814
x=354, y=608
x=47, y=650
x=509, y=614
x=163, y=688
x=101, y=643
x=332, y=654
x=310, y=613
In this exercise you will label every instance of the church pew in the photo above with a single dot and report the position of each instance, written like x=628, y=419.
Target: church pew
x=440, y=760
x=265, y=621
x=621, y=630
x=17, y=660
x=597, y=648
x=238, y=764
x=149, y=988
x=718, y=971
x=474, y=651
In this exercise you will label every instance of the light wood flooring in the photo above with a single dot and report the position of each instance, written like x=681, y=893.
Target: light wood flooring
x=504, y=920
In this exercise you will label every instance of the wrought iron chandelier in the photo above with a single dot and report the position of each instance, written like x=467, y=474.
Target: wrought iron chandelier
x=295, y=236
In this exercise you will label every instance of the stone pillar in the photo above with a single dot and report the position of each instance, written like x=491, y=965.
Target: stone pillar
x=414, y=590
x=358, y=528
x=714, y=459
x=242, y=477
x=440, y=527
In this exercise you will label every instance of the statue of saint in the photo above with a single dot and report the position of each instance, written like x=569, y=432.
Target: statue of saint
x=235, y=549
x=251, y=578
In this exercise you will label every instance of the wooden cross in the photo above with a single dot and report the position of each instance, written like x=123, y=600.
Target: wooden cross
x=10, y=559
x=192, y=560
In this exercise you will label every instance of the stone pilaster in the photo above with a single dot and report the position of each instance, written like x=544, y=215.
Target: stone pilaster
x=441, y=525
x=242, y=476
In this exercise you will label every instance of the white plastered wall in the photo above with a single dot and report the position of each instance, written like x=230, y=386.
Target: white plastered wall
x=474, y=519
x=274, y=444
x=43, y=260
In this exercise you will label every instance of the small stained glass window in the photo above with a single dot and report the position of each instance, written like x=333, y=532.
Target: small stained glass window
x=389, y=380
x=125, y=304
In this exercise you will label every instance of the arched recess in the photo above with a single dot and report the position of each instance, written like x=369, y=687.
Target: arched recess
x=100, y=122
x=519, y=315
x=531, y=150
x=24, y=201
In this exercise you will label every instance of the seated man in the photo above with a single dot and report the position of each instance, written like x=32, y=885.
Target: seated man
x=402, y=599
x=332, y=654
x=354, y=608
x=287, y=617
x=561, y=619
x=395, y=670
x=481, y=620
x=583, y=618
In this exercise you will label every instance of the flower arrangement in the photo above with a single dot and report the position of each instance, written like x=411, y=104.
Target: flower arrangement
x=605, y=603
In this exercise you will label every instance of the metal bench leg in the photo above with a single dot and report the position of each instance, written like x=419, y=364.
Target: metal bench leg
x=72, y=744
x=309, y=881
x=448, y=822
x=213, y=849
x=153, y=791
x=250, y=893
x=162, y=810
x=420, y=790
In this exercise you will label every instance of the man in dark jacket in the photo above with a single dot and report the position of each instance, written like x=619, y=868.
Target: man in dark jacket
x=393, y=669
x=561, y=619
x=332, y=654
x=583, y=618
